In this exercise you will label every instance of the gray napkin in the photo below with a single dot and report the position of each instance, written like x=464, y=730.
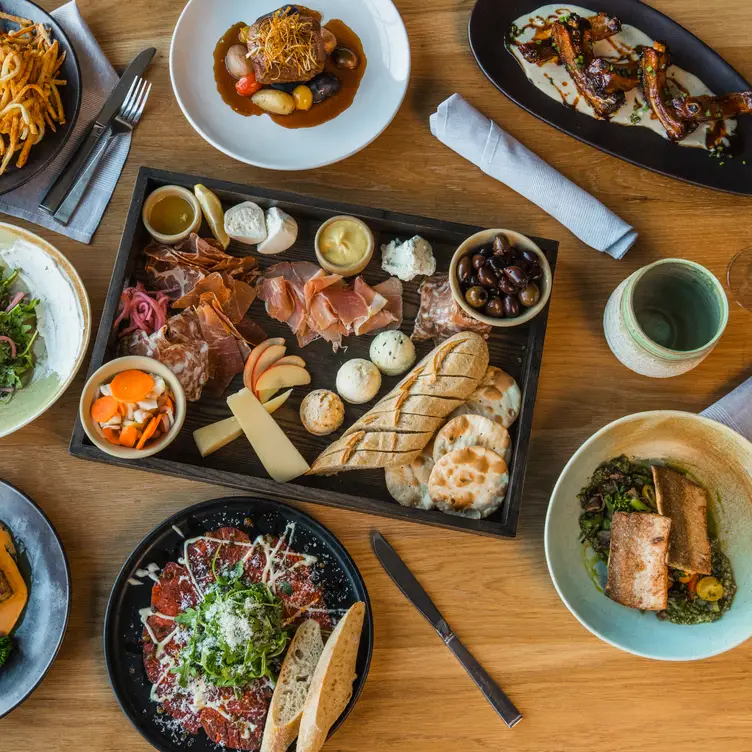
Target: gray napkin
x=472, y=135
x=98, y=79
x=734, y=410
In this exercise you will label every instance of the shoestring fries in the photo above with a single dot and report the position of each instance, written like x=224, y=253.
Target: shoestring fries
x=30, y=103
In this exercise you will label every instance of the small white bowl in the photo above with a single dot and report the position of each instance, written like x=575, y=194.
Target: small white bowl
x=516, y=239
x=155, y=197
x=105, y=374
x=345, y=270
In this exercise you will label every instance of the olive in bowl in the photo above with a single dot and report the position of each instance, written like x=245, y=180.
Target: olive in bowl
x=500, y=277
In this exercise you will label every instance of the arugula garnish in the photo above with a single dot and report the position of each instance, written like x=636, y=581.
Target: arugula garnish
x=18, y=332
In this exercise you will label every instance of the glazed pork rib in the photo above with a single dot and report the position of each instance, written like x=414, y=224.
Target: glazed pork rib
x=706, y=109
x=542, y=49
x=654, y=63
x=607, y=76
x=574, y=40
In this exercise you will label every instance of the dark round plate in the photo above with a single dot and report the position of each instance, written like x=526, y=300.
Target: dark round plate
x=489, y=23
x=342, y=582
x=44, y=566
x=43, y=153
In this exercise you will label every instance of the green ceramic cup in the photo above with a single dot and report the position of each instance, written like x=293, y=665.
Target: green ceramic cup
x=666, y=318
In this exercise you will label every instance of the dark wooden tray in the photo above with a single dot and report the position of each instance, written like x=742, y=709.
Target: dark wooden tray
x=517, y=350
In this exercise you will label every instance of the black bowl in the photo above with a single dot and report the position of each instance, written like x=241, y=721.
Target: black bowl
x=43, y=153
x=489, y=24
x=340, y=579
x=44, y=566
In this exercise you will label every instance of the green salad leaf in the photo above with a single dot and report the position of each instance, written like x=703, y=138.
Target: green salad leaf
x=6, y=648
x=18, y=332
x=233, y=633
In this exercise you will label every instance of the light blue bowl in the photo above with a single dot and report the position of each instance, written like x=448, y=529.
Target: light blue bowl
x=722, y=461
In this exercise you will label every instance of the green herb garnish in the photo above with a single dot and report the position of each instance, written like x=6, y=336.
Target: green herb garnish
x=233, y=633
x=6, y=648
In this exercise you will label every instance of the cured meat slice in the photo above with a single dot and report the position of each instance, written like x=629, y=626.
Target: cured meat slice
x=225, y=358
x=247, y=713
x=201, y=553
x=439, y=316
x=180, y=345
x=174, y=591
x=234, y=295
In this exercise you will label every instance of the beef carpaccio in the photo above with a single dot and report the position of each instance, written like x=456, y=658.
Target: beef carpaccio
x=230, y=716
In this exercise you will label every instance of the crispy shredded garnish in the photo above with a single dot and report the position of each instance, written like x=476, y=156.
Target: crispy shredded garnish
x=285, y=39
x=29, y=96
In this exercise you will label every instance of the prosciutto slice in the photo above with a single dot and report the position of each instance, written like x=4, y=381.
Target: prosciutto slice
x=439, y=316
x=319, y=305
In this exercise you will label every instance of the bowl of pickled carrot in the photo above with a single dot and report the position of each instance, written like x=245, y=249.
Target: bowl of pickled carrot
x=132, y=407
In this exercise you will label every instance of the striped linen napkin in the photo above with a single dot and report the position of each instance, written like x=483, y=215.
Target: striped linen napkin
x=461, y=127
x=98, y=79
x=734, y=410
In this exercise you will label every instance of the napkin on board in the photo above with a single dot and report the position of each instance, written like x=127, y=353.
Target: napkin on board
x=461, y=127
x=98, y=79
x=734, y=410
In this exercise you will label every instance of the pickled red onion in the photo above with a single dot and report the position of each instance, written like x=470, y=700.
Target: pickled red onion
x=142, y=309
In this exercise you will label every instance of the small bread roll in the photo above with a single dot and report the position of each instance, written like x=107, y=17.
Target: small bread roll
x=321, y=412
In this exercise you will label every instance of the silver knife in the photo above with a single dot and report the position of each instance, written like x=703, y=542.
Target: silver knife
x=58, y=191
x=405, y=580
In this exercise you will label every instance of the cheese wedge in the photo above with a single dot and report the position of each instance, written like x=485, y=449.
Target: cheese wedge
x=279, y=457
x=217, y=435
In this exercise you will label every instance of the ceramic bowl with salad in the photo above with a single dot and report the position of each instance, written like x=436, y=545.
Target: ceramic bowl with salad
x=45, y=325
x=647, y=536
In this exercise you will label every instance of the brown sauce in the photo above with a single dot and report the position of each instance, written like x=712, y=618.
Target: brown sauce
x=319, y=113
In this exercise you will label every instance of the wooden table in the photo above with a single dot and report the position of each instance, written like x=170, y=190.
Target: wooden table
x=576, y=692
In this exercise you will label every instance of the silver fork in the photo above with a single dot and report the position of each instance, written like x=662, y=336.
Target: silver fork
x=124, y=122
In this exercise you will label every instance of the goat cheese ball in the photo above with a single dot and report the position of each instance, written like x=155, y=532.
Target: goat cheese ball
x=358, y=381
x=321, y=412
x=408, y=260
x=393, y=352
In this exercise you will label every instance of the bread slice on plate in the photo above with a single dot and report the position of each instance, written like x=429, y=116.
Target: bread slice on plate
x=331, y=688
x=440, y=380
x=686, y=504
x=293, y=683
x=637, y=569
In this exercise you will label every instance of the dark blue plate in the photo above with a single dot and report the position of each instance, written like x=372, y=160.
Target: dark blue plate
x=43, y=564
x=489, y=24
x=339, y=577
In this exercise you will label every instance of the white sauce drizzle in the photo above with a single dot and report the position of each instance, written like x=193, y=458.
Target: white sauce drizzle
x=178, y=531
x=553, y=79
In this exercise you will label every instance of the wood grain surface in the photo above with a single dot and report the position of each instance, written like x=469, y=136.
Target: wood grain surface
x=576, y=692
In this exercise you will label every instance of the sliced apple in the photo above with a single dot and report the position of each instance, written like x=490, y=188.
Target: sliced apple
x=267, y=359
x=265, y=395
x=291, y=360
x=281, y=377
x=274, y=404
x=254, y=356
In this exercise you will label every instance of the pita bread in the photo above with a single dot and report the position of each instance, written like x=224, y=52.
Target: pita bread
x=408, y=484
x=471, y=481
x=497, y=397
x=469, y=431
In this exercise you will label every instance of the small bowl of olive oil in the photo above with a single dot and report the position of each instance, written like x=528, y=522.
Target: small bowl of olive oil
x=171, y=213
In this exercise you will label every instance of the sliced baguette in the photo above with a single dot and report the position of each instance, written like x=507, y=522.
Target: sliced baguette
x=433, y=407
x=381, y=441
x=286, y=708
x=437, y=377
x=398, y=421
x=331, y=688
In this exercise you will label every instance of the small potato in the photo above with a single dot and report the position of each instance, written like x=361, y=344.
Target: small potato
x=274, y=101
x=303, y=97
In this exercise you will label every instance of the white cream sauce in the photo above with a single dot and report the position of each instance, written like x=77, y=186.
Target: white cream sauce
x=59, y=315
x=553, y=79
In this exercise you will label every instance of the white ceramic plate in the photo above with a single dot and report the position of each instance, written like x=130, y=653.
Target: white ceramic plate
x=46, y=385
x=259, y=140
x=722, y=461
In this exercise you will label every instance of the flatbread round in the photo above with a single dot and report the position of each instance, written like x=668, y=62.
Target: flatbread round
x=408, y=484
x=471, y=482
x=497, y=397
x=469, y=431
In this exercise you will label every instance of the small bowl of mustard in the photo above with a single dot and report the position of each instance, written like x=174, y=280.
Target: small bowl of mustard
x=171, y=213
x=344, y=245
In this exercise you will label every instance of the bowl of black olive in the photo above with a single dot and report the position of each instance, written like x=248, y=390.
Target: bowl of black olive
x=500, y=277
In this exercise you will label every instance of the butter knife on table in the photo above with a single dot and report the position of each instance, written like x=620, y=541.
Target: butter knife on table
x=59, y=190
x=405, y=580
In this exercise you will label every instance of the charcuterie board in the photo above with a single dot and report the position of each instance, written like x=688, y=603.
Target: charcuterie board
x=517, y=350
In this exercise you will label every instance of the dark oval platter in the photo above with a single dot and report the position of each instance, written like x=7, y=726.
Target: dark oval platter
x=489, y=23
x=341, y=580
